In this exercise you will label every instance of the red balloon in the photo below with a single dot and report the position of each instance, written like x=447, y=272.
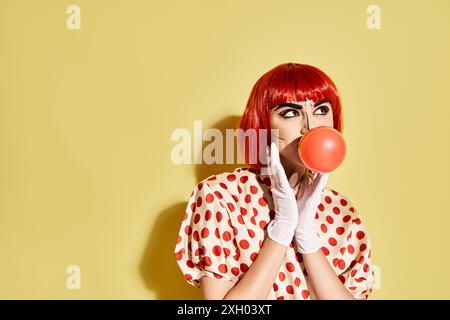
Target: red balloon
x=322, y=149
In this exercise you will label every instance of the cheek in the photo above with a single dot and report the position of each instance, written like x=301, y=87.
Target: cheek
x=288, y=130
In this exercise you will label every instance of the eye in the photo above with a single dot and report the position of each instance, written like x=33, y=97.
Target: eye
x=290, y=113
x=324, y=108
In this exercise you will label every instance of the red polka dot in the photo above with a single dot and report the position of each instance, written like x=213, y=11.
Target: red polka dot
x=255, y=212
x=235, y=197
x=219, y=216
x=188, y=277
x=343, y=202
x=253, y=256
x=253, y=189
x=244, y=244
x=217, y=250
x=321, y=207
x=341, y=264
x=223, y=268
x=230, y=206
x=208, y=215
x=244, y=267
x=330, y=220
x=346, y=218
x=297, y=281
x=178, y=256
x=178, y=239
x=226, y=251
x=323, y=228
x=290, y=289
x=342, y=250
x=251, y=233
x=243, y=179
x=231, y=177
x=263, y=224
x=209, y=198
x=340, y=230
x=196, y=218
x=350, y=249
x=366, y=267
x=195, y=235
x=235, y=230
x=205, y=232
x=290, y=266
x=360, y=235
x=207, y=261
x=325, y=251
x=243, y=211
x=240, y=219
x=280, y=298
x=218, y=194
x=336, y=210
x=262, y=202
x=253, y=220
x=305, y=294
x=226, y=236
x=332, y=241
x=185, y=216
x=363, y=247
x=223, y=185
x=188, y=230
x=327, y=199
x=281, y=276
x=248, y=198
x=275, y=287
x=199, y=201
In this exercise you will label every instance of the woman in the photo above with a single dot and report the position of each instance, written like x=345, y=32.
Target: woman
x=250, y=234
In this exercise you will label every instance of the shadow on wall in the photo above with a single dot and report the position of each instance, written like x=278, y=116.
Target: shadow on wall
x=158, y=267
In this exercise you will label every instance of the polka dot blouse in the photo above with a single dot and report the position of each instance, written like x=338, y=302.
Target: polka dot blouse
x=225, y=225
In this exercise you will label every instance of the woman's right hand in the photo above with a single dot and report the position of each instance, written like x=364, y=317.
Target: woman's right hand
x=281, y=229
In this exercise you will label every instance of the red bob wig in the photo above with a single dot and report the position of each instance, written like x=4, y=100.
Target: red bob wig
x=284, y=83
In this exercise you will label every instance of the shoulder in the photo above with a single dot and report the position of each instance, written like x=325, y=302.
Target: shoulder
x=337, y=204
x=241, y=179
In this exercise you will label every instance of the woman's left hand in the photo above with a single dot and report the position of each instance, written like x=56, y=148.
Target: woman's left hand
x=308, y=199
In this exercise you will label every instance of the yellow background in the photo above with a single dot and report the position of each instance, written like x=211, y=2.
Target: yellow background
x=86, y=118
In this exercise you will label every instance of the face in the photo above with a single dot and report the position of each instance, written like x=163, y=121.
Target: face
x=294, y=119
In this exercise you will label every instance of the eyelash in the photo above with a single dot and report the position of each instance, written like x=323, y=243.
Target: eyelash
x=283, y=114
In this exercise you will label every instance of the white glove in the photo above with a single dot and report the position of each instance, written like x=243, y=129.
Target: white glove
x=281, y=228
x=306, y=238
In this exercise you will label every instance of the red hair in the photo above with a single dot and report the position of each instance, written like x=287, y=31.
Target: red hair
x=285, y=82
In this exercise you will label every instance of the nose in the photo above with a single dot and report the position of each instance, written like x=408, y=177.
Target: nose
x=305, y=126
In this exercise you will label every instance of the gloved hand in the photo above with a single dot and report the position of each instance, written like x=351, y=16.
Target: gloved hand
x=308, y=199
x=281, y=228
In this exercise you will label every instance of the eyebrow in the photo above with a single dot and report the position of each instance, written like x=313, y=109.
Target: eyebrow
x=298, y=106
